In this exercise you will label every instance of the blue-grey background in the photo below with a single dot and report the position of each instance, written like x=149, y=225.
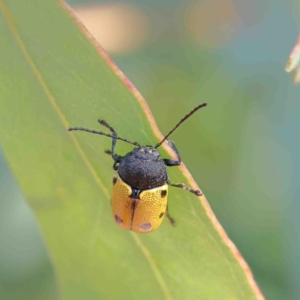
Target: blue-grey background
x=232, y=55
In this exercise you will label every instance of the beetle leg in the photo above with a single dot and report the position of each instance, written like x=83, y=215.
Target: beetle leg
x=172, y=145
x=185, y=187
x=170, y=162
x=114, y=139
x=172, y=221
x=117, y=159
x=116, y=166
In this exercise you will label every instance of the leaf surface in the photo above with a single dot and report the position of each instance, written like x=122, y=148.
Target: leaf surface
x=53, y=77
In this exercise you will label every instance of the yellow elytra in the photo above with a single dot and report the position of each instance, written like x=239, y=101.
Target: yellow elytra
x=143, y=214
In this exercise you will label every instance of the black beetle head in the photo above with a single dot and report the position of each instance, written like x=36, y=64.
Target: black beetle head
x=146, y=152
x=143, y=169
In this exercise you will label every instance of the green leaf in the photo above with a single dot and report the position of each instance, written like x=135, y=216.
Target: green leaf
x=52, y=77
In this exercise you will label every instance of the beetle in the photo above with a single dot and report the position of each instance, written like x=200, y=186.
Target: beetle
x=140, y=184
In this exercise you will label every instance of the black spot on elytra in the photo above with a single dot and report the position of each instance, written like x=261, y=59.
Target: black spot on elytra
x=118, y=219
x=163, y=193
x=161, y=215
x=146, y=226
x=114, y=180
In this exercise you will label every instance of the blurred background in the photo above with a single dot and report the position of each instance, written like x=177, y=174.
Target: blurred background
x=242, y=149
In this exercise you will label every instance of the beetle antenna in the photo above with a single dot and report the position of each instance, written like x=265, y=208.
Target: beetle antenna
x=181, y=121
x=103, y=133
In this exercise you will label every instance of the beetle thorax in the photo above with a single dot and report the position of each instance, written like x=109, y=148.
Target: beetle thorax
x=143, y=168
